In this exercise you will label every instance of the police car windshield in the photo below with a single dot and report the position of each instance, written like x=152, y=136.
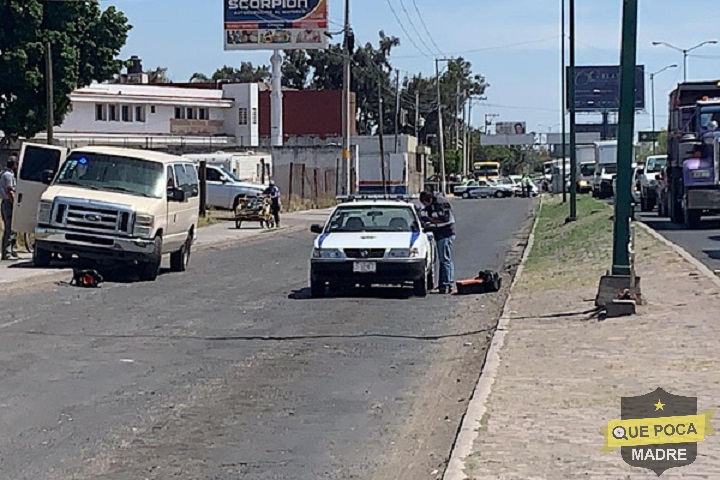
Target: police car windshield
x=373, y=219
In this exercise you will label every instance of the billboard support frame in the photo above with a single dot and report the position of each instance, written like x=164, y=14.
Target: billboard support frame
x=276, y=100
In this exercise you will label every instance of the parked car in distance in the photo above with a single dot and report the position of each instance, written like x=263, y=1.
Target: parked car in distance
x=654, y=166
x=515, y=182
x=224, y=189
x=586, y=174
x=487, y=189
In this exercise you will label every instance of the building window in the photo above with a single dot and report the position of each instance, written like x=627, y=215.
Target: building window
x=100, y=114
x=242, y=116
x=179, y=113
x=139, y=114
x=152, y=108
x=190, y=113
x=254, y=116
x=113, y=114
x=126, y=114
x=202, y=114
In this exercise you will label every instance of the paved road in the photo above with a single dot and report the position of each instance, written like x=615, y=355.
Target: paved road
x=703, y=244
x=230, y=371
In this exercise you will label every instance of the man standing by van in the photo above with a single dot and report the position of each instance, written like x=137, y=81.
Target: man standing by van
x=7, y=196
x=274, y=193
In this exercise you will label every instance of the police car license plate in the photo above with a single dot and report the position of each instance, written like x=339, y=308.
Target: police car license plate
x=364, y=267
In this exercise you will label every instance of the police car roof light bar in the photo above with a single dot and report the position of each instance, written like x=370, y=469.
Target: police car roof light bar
x=362, y=197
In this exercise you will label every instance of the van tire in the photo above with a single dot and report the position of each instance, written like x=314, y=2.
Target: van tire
x=41, y=257
x=179, y=260
x=149, y=270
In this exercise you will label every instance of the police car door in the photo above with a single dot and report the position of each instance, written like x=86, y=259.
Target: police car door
x=34, y=160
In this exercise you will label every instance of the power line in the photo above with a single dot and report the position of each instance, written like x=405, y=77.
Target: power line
x=432, y=40
x=412, y=25
x=488, y=49
x=404, y=29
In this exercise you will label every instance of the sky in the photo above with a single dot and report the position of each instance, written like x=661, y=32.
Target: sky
x=515, y=44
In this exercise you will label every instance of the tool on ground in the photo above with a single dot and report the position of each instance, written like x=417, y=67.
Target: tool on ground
x=487, y=281
x=86, y=278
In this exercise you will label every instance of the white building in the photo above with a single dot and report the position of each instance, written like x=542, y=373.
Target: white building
x=152, y=115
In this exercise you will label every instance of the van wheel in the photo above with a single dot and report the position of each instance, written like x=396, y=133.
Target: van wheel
x=41, y=257
x=179, y=260
x=465, y=195
x=149, y=270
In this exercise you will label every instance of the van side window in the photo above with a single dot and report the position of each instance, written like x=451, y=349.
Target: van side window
x=193, y=180
x=170, y=178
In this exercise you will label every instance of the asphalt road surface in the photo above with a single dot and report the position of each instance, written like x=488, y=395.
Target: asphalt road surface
x=703, y=243
x=230, y=371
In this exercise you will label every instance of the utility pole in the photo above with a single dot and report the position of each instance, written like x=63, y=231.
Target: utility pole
x=457, y=118
x=623, y=207
x=564, y=102
x=380, y=135
x=49, y=98
x=470, y=138
x=441, y=133
x=465, y=136
x=397, y=110
x=417, y=115
x=652, y=90
x=348, y=45
x=573, y=149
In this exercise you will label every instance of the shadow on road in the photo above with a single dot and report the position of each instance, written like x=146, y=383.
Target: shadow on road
x=382, y=293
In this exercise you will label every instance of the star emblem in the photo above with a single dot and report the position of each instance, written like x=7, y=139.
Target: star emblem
x=659, y=406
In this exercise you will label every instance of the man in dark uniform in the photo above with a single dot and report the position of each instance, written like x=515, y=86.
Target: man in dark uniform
x=440, y=220
x=274, y=193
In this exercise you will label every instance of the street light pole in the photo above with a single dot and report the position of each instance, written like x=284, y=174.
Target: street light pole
x=571, y=93
x=685, y=52
x=623, y=207
x=652, y=93
x=564, y=100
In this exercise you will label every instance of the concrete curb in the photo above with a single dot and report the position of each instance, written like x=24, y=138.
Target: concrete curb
x=478, y=402
x=683, y=253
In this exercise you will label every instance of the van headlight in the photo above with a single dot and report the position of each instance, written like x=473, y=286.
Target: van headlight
x=327, y=253
x=403, y=253
x=44, y=212
x=144, y=225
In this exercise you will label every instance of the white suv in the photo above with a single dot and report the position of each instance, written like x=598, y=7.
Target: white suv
x=224, y=189
x=373, y=243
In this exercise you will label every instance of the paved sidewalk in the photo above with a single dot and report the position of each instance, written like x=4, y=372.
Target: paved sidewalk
x=561, y=378
x=17, y=275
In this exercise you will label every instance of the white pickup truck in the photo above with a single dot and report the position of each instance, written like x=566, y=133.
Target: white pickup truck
x=654, y=166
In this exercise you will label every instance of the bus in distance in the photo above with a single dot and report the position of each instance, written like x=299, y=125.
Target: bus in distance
x=487, y=170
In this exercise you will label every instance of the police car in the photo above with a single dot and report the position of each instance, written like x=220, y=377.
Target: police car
x=373, y=241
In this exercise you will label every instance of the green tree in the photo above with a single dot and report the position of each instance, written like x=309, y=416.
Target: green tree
x=199, y=77
x=247, y=73
x=295, y=69
x=85, y=42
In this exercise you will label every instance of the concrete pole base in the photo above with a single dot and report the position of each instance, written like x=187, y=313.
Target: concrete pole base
x=618, y=287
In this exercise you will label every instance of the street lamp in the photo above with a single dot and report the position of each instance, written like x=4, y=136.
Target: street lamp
x=652, y=90
x=685, y=52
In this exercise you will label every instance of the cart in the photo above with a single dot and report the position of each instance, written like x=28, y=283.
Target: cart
x=254, y=209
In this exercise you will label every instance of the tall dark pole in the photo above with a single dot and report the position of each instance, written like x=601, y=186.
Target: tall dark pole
x=49, y=93
x=564, y=100
x=623, y=207
x=441, y=130
x=397, y=111
x=346, y=113
x=573, y=149
x=381, y=118
x=652, y=105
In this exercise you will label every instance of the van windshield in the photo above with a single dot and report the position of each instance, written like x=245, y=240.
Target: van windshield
x=587, y=169
x=113, y=173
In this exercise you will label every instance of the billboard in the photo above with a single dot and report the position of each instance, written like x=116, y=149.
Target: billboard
x=510, y=128
x=276, y=24
x=597, y=89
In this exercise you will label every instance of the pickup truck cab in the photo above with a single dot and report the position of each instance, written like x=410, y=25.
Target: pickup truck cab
x=224, y=189
x=108, y=205
x=654, y=166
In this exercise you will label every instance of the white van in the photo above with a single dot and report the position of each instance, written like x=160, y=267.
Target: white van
x=108, y=205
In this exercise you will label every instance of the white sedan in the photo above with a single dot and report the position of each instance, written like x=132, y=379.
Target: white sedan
x=373, y=242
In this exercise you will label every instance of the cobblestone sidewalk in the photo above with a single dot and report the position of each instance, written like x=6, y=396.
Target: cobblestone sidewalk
x=561, y=377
